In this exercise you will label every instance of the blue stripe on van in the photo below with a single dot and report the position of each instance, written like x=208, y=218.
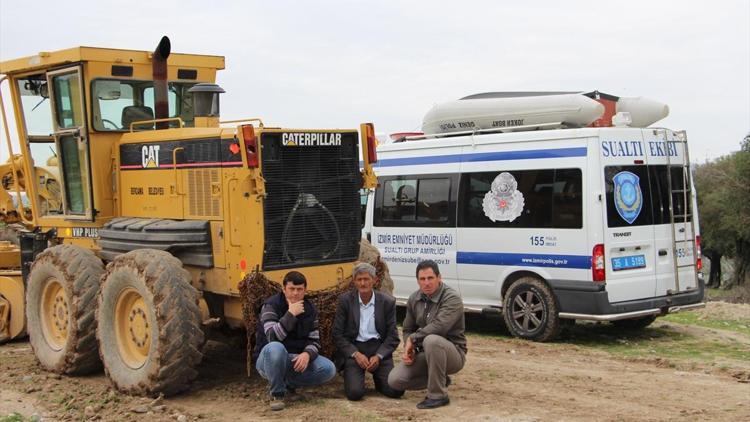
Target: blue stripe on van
x=524, y=259
x=484, y=156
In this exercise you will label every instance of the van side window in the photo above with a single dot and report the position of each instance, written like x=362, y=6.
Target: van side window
x=551, y=199
x=640, y=206
x=567, y=199
x=432, y=200
x=420, y=201
x=400, y=200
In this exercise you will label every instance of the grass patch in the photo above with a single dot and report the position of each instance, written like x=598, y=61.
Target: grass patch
x=718, y=294
x=489, y=375
x=741, y=326
x=358, y=414
x=14, y=417
x=655, y=342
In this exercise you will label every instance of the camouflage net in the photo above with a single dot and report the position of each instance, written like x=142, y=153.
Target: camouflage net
x=371, y=255
x=256, y=288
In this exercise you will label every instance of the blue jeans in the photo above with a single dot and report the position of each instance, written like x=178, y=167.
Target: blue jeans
x=275, y=364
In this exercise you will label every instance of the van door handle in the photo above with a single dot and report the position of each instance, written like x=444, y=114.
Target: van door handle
x=662, y=252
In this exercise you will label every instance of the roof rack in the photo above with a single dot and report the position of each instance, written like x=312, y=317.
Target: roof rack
x=552, y=125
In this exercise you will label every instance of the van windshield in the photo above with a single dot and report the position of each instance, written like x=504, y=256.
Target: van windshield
x=116, y=104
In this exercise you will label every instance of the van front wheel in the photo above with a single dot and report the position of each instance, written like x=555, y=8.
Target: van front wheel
x=530, y=310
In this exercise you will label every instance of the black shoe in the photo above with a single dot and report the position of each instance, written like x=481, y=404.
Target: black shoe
x=292, y=395
x=429, y=403
x=277, y=403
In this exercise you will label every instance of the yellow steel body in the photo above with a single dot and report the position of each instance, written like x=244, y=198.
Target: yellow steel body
x=132, y=325
x=55, y=314
x=12, y=320
x=236, y=219
x=94, y=63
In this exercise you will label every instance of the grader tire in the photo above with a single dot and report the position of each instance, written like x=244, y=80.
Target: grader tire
x=60, y=309
x=149, y=328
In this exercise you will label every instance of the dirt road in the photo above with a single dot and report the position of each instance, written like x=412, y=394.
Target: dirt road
x=592, y=373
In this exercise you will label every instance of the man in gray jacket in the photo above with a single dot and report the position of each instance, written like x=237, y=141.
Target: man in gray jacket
x=434, y=341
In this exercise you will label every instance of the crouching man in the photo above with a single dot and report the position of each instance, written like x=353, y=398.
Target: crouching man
x=364, y=332
x=434, y=341
x=288, y=342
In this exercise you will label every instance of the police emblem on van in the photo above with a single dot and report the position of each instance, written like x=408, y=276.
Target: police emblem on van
x=503, y=202
x=628, y=196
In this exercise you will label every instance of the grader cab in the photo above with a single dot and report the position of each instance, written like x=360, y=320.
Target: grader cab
x=164, y=209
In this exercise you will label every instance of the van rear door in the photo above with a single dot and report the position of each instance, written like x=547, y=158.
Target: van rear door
x=670, y=175
x=628, y=218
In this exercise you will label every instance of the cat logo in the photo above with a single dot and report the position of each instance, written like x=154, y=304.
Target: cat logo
x=150, y=156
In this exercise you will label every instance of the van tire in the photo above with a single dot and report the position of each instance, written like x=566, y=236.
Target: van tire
x=530, y=310
x=635, y=323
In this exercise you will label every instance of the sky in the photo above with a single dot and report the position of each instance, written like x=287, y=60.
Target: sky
x=335, y=64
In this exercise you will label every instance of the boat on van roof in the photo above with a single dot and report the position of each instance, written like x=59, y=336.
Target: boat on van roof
x=535, y=110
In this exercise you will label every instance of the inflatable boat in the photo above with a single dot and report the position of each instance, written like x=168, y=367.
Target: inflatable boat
x=514, y=111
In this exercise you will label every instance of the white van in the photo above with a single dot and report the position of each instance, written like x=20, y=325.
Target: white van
x=545, y=225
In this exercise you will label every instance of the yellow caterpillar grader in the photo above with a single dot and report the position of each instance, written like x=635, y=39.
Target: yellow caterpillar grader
x=147, y=211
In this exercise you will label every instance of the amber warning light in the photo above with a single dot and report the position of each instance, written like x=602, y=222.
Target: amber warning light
x=251, y=145
x=372, y=143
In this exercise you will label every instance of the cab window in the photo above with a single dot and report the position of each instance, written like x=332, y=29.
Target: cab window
x=117, y=104
x=37, y=112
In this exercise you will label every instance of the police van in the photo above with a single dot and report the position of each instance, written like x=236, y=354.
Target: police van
x=541, y=221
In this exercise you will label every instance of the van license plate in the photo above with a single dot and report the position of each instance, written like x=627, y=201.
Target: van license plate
x=628, y=262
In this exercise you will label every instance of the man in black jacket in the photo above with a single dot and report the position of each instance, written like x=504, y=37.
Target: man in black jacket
x=364, y=332
x=288, y=342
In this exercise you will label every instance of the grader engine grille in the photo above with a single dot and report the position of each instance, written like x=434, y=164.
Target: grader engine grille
x=311, y=211
x=201, y=199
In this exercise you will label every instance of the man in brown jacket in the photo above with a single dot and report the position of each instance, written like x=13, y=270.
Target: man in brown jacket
x=434, y=341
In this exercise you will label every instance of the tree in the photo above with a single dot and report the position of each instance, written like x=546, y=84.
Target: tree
x=723, y=187
x=716, y=240
x=738, y=211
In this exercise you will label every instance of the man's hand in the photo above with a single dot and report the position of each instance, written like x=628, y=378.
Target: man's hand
x=374, y=363
x=408, y=357
x=301, y=361
x=361, y=360
x=296, y=308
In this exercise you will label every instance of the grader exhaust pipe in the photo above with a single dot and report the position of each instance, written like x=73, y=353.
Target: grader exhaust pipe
x=159, y=65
